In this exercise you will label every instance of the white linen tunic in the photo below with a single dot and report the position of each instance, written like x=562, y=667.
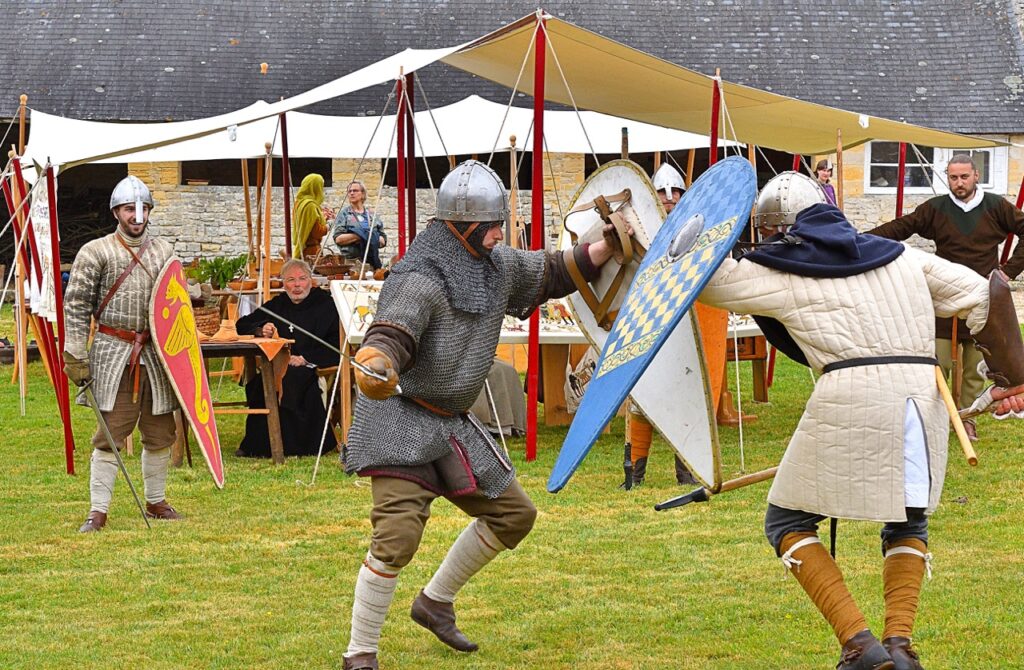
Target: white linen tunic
x=846, y=458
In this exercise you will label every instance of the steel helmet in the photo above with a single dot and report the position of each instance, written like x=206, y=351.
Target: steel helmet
x=472, y=192
x=785, y=196
x=130, y=190
x=667, y=177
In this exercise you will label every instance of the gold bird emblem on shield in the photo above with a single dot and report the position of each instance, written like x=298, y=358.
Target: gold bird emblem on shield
x=183, y=337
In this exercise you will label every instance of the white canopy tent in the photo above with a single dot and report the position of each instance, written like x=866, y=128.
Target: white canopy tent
x=470, y=126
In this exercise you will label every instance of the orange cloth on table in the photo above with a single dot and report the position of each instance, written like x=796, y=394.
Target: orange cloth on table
x=278, y=353
x=308, y=215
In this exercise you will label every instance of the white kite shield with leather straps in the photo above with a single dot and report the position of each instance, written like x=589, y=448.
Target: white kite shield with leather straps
x=673, y=392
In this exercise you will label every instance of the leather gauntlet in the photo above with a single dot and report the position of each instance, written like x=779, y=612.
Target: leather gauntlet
x=1000, y=340
x=379, y=362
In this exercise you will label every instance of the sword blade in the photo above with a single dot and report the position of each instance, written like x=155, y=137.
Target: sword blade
x=90, y=398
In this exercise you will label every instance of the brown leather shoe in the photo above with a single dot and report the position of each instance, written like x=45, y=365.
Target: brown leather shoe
x=162, y=510
x=360, y=662
x=971, y=428
x=439, y=619
x=94, y=522
x=863, y=651
x=903, y=655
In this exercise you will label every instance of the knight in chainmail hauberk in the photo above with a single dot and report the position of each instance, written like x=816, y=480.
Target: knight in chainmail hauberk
x=435, y=333
x=111, y=282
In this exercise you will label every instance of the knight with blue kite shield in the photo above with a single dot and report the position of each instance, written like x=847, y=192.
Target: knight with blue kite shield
x=434, y=337
x=872, y=442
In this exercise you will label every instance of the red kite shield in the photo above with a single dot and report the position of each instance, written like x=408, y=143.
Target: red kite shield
x=173, y=328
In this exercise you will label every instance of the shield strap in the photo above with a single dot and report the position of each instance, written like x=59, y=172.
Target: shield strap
x=624, y=249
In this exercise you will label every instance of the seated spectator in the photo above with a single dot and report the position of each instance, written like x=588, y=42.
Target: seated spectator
x=356, y=226
x=308, y=224
x=302, y=406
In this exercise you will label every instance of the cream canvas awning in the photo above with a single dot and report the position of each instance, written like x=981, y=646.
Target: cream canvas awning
x=605, y=76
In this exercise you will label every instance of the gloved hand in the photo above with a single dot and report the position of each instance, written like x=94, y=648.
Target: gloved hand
x=77, y=370
x=378, y=361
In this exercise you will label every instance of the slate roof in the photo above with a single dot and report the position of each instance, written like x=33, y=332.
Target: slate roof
x=950, y=64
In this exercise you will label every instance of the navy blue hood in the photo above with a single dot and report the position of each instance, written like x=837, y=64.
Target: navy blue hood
x=821, y=243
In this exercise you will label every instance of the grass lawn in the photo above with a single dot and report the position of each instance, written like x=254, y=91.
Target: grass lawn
x=260, y=575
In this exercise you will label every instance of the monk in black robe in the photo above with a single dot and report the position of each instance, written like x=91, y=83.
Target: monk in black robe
x=302, y=407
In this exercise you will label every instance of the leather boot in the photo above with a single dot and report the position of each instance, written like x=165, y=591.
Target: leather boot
x=863, y=651
x=639, y=471
x=366, y=661
x=439, y=619
x=94, y=522
x=903, y=655
x=683, y=476
x=162, y=510
x=627, y=468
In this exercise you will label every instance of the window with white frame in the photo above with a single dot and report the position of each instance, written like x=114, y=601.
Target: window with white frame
x=926, y=168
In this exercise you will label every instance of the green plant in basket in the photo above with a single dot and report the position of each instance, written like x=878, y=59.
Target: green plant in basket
x=218, y=271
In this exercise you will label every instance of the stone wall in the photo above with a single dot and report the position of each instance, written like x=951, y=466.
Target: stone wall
x=205, y=221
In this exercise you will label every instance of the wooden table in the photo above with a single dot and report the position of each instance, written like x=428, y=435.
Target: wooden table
x=252, y=352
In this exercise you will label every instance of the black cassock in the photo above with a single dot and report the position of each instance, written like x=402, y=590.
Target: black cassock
x=302, y=407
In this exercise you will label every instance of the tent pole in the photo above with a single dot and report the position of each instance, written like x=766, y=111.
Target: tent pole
x=657, y=160
x=625, y=143
x=690, y=158
x=410, y=159
x=248, y=216
x=268, y=180
x=900, y=174
x=716, y=105
x=513, y=195
x=257, y=248
x=536, y=234
x=400, y=162
x=839, y=168
x=23, y=100
x=1009, y=238
x=796, y=162
x=286, y=179
x=63, y=397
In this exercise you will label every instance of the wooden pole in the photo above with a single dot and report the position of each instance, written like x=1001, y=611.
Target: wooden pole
x=537, y=234
x=248, y=215
x=901, y=172
x=410, y=156
x=511, y=229
x=690, y=158
x=625, y=142
x=796, y=162
x=752, y=157
x=23, y=100
x=260, y=165
x=63, y=397
x=954, y=415
x=839, y=168
x=657, y=160
x=286, y=183
x=268, y=182
x=400, y=163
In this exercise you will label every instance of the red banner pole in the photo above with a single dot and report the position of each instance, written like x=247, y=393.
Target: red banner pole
x=63, y=397
x=536, y=234
x=286, y=182
x=796, y=162
x=1009, y=238
x=716, y=106
x=410, y=150
x=901, y=171
x=400, y=163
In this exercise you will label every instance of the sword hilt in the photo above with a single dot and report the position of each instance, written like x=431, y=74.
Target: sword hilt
x=698, y=495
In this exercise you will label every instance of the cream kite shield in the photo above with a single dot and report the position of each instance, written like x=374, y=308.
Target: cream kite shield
x=673, y=392
x=176, y=340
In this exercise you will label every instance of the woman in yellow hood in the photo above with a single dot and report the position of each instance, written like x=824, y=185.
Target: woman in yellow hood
x=308, y=224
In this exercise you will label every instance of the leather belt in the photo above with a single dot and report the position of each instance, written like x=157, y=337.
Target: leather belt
x=433, y=409
x=138, y=340
x=879, y=360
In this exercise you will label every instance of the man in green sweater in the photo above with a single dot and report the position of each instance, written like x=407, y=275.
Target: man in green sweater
x=967, y=226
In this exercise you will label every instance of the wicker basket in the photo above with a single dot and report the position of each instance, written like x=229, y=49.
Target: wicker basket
x=207, y=319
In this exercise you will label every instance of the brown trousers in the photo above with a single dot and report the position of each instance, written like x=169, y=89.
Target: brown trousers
x=401, y=509
x=158, y=431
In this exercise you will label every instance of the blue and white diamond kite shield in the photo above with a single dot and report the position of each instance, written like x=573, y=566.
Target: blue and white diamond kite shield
x=696, y=237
